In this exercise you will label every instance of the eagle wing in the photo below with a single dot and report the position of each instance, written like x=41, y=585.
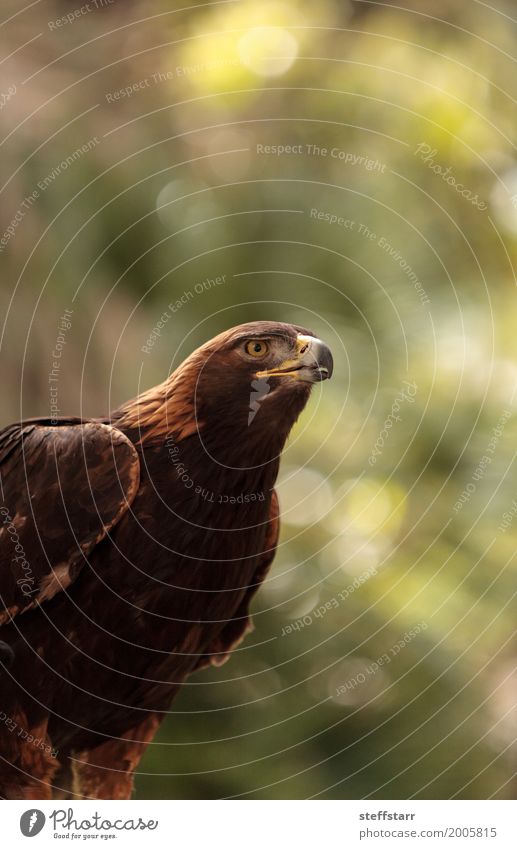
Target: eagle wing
x=63, y=486
x=241, y=624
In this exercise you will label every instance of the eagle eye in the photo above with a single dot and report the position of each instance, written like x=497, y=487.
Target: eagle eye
x=256, y=348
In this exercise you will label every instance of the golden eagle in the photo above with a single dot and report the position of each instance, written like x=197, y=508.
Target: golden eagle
x=130, y=549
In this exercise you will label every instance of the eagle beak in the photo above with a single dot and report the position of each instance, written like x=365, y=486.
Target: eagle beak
x=311, y=363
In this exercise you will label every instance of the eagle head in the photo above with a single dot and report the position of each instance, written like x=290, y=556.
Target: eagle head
x=258, y=376
x=239, y=393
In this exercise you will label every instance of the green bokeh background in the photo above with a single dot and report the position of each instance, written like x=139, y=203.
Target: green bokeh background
x=172, y=190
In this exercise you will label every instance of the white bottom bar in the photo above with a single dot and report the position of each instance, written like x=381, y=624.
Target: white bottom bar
x=260, y=824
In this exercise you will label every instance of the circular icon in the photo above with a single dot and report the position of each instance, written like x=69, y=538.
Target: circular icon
x=31, y=822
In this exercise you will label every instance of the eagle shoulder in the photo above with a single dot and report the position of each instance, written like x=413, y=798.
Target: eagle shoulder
x=63, y=487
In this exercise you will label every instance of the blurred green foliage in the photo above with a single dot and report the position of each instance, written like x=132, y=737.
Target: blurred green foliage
x=175, y=188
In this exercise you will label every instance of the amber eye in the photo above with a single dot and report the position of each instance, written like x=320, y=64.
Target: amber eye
x=256, y=348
